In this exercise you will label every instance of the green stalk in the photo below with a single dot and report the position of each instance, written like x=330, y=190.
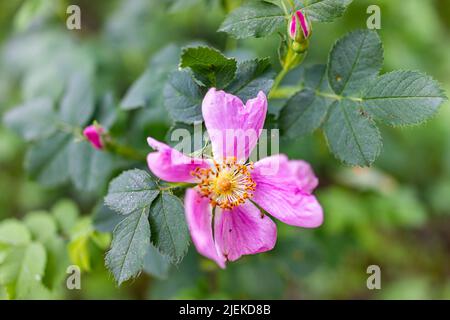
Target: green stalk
x=176, y=185
x=122, y=150
x=277, y=82
x=292, y=60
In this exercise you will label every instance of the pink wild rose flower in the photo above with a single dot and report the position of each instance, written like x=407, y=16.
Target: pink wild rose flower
x=93, y=134
x=228, y=186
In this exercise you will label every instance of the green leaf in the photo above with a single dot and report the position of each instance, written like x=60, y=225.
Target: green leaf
x=131, y=191
x=48, y=159
x=41, y=225
x=89, y=168
x=83, y=241
x=131, y=240
x=57, y=262
x=315, y=78
x=105, y=219
x=355, y=61
x=78, y=247
x=275, y=2
x=351, y=134
x=403, y=98
x=169, y=229
x=254, y=19
x=106, y=112
x=66, y=215
x=155, y=263
x=251, y=77
x=210, y=67
x=140, y=93
x=260, y=19
x=43, y=80
x=183, y=98
x=13, y=232
x=303, y=114
x=306, y=110
x=31, y=270
x=22, y=271
x=148, y=88
x=34, y=120
x=31, y=12
x=101, y=240
x=77, y=105
x=325, y=10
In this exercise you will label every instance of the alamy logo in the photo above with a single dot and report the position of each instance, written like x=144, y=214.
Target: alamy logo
x=374, y=20
x=74, y=279
x=74, y=20
x=374, y=280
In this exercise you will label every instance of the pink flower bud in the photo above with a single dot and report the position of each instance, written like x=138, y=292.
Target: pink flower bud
x=299, y=28
x=93, y=134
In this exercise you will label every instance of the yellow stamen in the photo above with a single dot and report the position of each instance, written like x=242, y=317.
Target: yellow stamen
x=226, y=184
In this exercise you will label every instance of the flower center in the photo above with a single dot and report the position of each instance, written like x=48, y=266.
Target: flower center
x=223, y=184
x=227, y=184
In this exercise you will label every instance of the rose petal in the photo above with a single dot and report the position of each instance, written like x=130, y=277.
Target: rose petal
x=303, y=23
x=243, y=230
x=293, y=27
x=283, y=188
x=234, y=128
x=171, y=165
x=199, y=219
x=305, y=175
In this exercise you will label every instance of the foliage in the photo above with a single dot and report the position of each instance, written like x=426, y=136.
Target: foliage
x=36, y=252
x=141, y=68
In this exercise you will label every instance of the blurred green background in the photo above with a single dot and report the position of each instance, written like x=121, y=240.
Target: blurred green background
x=395, y=214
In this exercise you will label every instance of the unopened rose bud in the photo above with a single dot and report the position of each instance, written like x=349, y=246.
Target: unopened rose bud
x=93, y=134
x=299, y=27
